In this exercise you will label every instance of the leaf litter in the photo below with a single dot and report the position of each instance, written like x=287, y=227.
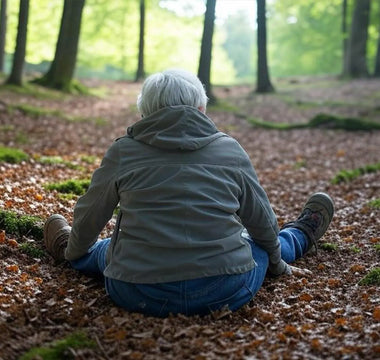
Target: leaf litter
x=326, y=314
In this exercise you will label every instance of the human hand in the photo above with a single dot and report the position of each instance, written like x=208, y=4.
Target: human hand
x=293, y=270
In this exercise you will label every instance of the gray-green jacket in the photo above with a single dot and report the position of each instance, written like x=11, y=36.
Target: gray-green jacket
x=186, y=192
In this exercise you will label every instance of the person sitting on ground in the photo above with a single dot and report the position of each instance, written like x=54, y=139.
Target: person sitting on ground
x=195, y=232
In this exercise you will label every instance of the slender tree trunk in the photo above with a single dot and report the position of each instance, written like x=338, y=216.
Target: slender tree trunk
x=140, y=74
x=344, y=36
x=376, y=73
x=3, y=31
x=61, y=72
x=204, y=70
x=357, y=44
x=15, y=77
x=263, y=81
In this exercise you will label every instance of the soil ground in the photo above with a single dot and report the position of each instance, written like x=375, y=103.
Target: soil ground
x=325, y=315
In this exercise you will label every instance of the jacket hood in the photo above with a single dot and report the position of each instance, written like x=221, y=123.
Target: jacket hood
x=178, y=127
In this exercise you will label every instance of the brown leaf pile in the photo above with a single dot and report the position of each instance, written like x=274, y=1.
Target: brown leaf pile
x=318, y=316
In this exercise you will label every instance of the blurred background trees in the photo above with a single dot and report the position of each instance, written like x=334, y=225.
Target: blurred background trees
x=125, y=40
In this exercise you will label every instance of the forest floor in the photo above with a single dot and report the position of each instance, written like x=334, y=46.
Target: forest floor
x=324, y=315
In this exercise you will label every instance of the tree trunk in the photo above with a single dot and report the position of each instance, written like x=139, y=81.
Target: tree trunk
x=263, y=82
x=3, y=31
x=15, y=77
x=61, y=72
x=344, y=36
x=140, y=74
x=377, y=60
x=357, y=44
x=204, y=70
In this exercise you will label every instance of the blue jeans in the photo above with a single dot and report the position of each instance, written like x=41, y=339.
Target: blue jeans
x=196, y=296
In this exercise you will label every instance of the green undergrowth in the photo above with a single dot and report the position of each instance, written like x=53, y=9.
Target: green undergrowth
x=32, y=250
x=21, y=225
x=57, y=160
x=349, y=175
x=37, y=111
x=72, y=186
x=372, y=278
x=33, y=90
x=12, y=155
x=60, y=349
x=324, y=121
x=329, y=247
x=375, y=203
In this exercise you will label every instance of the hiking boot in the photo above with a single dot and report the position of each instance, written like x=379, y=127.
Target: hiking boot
x=315, y=218
x=56, y=235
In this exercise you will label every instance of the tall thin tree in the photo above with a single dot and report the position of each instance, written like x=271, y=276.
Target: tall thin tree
x=204, y=69
x=344, y=36
x=140, y=74
x=357, y=44
x=376, y=72
x=3, y=31
x=264, y=84
x=15, y=78
x=61, y=71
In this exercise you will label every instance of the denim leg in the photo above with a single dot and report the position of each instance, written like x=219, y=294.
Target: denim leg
x=293, y=244
x=94, y=262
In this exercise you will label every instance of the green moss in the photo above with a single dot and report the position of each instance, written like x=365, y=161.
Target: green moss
x=60, y=349
x=35, y=111
x=33, y=90
x=349, y=175
x=57, y=160
x=355, y=249
x=372, y=278
x=377, y=247
x=77, y=187
x=345, y=123
x=89, y=159
x=375, y=203
x=32, y=250
x=329, y=246
x=21, y=225
x=12, y=155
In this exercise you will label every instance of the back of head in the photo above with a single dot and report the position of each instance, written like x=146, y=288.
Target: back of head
x=169, y=88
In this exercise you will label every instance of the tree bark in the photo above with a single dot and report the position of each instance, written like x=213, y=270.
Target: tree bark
x=263, y=81
x=357, y=44
x=3, y=31
x=15, y=78
x=140, y=74
x=61, y=72
x=204, y=69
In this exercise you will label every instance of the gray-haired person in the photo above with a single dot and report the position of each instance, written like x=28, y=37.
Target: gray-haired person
x=195, y=231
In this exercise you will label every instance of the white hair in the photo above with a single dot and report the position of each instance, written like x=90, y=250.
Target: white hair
x=169, y=88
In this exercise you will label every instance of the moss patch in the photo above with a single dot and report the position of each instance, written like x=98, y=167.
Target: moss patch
x=21, y=225
x=32, y=250
x=12, y=155
x=349, y=175
x=77, y=187
x=60, y=349
x=329, y=246
x=375, y=203
x=345, y=123
x=372, y=278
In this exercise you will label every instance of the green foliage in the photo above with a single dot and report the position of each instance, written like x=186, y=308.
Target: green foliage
x=372, y=278
x=89, y=159
x=35, y=111
x=12, y=155
x=60, y=349
x=377, y=247
x=77, y=187
x=355, y=249
x=375, y=203
x=32, y=250
x=21, y=225
x=329, y=246
x=349, y=175
x=33, y=90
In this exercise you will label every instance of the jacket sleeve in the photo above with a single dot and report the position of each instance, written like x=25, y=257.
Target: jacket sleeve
x=258, y=217
x=94, y=209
